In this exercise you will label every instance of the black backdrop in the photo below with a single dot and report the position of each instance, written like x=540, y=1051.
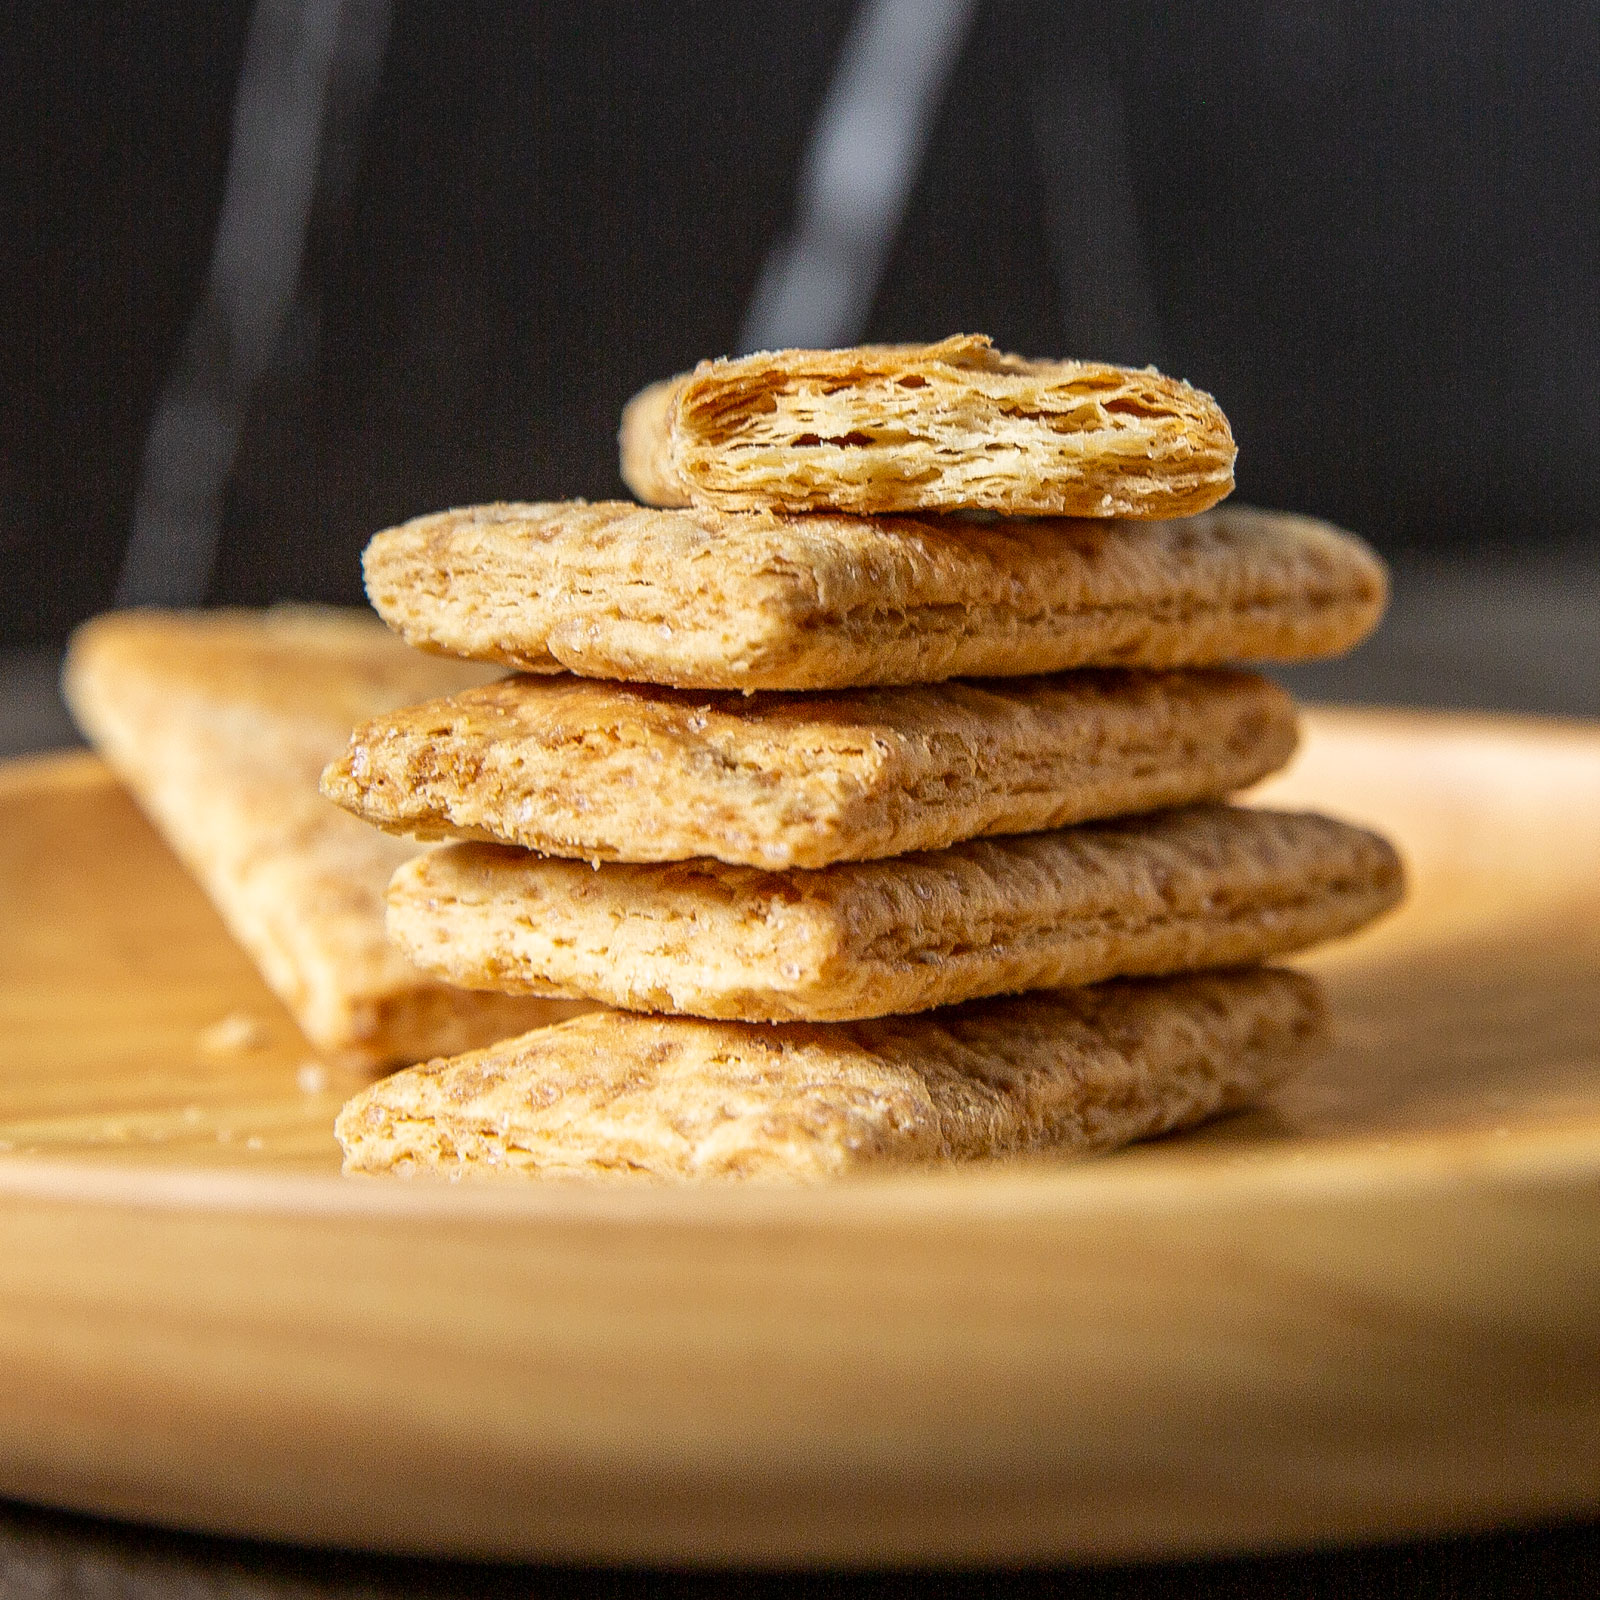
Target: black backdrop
x=1372, y=229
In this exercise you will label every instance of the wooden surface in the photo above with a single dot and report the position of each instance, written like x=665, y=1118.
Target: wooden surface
x=1371, y=1307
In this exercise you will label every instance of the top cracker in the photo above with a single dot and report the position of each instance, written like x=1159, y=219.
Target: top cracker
x=942, y=427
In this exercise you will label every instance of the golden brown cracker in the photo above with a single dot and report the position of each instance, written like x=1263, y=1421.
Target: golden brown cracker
x=730, y=600
x=615, y=1096
x=625, y=772
x=913, y=428
x=1208, y=886
x=220, y=723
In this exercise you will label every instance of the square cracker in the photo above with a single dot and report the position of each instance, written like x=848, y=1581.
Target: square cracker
x=751, y=600
x=941, y=427
x=624, y=772
x=220, y=722
x=1209, y=886
x=617, y=1096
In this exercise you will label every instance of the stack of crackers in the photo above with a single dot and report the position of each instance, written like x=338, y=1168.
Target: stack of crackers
x=874, y=773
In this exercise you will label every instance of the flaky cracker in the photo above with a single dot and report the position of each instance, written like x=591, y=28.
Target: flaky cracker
x=220, y=723
x=1208, y=886
x=940, y=427
x=731, y=600
x=623, y=772
x=616, y=1096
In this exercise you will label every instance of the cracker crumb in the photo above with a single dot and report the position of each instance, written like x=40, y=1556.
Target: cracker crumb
x=234, y=1034
x=311, y=1077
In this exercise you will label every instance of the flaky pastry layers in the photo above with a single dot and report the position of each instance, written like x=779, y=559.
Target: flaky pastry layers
x=727, y=600
x=220, y=722
x=939, y=427
x=624, y=772
x=616, y=1096
x=1207, y=886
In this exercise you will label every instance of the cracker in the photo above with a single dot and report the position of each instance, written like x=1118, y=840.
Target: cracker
x=1208, y=886
x=620, y=772
x=220, y=723
x=941, y=427
x=730, y=600
x=617, y=1096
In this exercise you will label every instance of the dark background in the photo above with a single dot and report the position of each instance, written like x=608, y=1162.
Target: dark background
x=1371, y=229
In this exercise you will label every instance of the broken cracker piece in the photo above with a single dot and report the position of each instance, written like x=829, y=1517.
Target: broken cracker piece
x=941, y=427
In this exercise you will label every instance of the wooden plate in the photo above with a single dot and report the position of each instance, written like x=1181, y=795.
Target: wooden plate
x=1372, y=1307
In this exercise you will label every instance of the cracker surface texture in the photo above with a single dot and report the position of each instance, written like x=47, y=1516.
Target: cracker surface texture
x=614, y=1096
x=1208, y=886
x=220, y=722
x=621, y=772
x=754, y=600
x=940, y=427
